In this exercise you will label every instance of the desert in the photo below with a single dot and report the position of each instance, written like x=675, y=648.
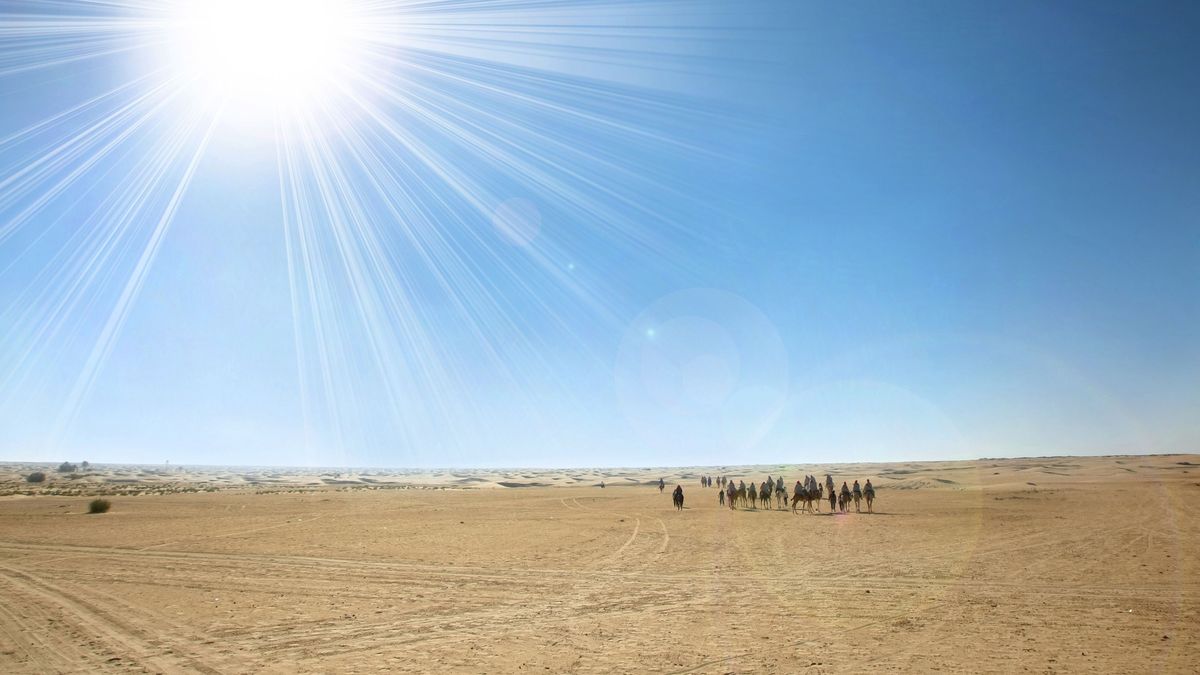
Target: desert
x=1064, y=564
x=924, y=273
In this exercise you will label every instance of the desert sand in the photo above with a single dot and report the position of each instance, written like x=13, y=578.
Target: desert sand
x=1055, y=564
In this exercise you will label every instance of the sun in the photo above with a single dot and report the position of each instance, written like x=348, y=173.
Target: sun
x=263, y=53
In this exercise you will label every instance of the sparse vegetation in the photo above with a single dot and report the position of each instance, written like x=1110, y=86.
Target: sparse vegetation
x=66, y=467
x=99, y=506
x=84, y=465
x=36, y=477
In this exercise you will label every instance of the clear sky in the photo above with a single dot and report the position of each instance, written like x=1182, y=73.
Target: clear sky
x=594, y=233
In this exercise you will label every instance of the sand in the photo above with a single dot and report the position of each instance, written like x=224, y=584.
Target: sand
x=1057, y=564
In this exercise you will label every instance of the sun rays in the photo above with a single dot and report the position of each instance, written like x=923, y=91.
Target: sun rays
x=445, y=171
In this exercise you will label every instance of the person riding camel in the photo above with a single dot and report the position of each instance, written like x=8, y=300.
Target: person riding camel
x=845, y=490
x=857, y=489
x=661, y=485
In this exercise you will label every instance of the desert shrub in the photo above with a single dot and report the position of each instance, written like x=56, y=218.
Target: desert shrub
x=36, y=477
x=99, y=506
x=66, y=467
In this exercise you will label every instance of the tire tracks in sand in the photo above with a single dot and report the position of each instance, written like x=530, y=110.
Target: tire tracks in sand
x=116, y=633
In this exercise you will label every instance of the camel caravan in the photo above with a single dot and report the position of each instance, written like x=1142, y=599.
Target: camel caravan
x=807, y=494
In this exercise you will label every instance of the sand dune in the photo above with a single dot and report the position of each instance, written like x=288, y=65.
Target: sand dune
x=1048, y=564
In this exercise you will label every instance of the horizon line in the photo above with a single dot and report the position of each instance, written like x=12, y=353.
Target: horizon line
x=428, y=469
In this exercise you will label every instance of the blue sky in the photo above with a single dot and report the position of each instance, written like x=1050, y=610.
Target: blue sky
x=743, y=232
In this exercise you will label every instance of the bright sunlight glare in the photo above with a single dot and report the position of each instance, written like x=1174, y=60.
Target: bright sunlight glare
x=263, y=53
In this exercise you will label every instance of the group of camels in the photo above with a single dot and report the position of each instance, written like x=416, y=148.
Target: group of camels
x=807, y=494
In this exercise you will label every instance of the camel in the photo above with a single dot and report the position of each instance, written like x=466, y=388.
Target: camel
x=677, y=498
x=869, y=491
x=753, y=493
x=857, y=496
x=780, y=495
x=732, y=495
x=806, y=498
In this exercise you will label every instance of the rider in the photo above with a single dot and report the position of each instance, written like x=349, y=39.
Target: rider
x=857, y=488
x=661, y=485
x=868, y=487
